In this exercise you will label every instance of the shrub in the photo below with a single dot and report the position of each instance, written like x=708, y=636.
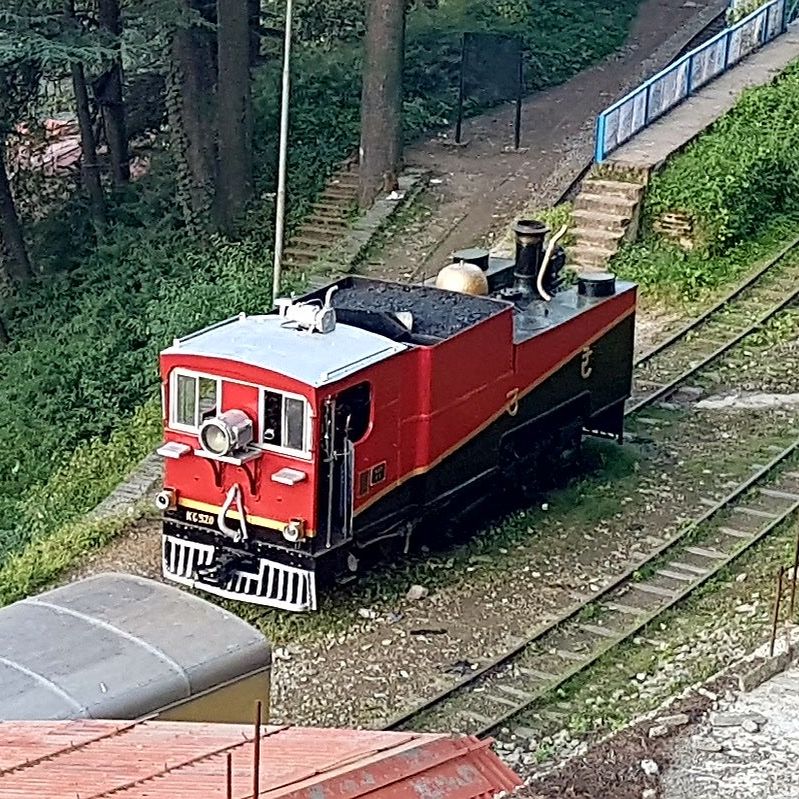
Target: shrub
x=739, y=174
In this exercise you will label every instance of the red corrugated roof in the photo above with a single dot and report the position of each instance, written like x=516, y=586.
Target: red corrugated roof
x=178, y=760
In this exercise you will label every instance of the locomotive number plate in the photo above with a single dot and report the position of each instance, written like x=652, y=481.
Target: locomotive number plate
x=200, y=518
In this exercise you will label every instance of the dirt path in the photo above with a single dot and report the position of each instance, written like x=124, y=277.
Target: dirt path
x=478, y=187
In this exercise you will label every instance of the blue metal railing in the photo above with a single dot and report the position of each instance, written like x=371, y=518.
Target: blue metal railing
x=642, y=106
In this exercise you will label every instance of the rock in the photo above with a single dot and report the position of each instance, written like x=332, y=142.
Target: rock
x=416, y=592
x=649, y=767
x=750, y=726
x=676, y=720
x=641, y=676
x=367, y=613
x=736, y=719
x=649, y=793
x=707, y=694
x=658, y=731
x=707, y=745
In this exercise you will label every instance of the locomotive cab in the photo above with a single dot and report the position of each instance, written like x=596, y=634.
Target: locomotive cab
x=260, y=438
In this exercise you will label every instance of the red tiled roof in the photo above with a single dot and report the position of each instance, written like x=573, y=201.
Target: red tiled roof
x=178, y=760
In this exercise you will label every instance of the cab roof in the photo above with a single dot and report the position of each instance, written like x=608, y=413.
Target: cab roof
x=267, y=342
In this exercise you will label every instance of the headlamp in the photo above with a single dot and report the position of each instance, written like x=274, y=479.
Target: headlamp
x=226, y=433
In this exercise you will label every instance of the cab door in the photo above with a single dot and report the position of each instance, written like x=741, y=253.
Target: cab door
x=345, y=420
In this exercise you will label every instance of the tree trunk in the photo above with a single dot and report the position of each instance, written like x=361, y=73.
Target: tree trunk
x=19, y=265
x=90, y=169
x=254, y=9
x=381, y=102
x=234, y=187
x=192, y=110
x=112, y=102
x=4, y=337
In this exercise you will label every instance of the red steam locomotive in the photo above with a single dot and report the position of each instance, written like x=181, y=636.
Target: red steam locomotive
x=297, y=438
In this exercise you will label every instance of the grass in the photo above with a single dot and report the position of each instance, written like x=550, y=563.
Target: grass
x=690, y=280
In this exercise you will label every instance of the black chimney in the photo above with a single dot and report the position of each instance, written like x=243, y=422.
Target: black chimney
x=530, y=236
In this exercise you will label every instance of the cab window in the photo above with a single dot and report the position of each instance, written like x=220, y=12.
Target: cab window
x=195, y=398
x=284, y=423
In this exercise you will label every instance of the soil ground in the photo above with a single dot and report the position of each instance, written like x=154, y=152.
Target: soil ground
x=476, y=188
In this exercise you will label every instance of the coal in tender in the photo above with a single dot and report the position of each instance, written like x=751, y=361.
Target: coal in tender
x=435, y=312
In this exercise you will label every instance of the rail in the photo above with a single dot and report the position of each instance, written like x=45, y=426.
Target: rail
x=641, y=107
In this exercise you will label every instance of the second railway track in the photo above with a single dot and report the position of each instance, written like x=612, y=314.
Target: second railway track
x=523, y=678
x=526, y=676
x=738, y=314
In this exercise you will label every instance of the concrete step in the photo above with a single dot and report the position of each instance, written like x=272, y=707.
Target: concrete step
x=309, y=240
x=600, y=219
x=331, y=209
x=301, y=252
x=339, y=193
x=590, y=255
x=608, y=239
x=605, y=203
x=333, y=224
x=614, y=188
x=348, y=180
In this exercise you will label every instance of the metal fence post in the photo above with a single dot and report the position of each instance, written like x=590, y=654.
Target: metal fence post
x=793, y=575
x=646, y=102
x=689, y=81
x=599, y=146
x=727, y=42
x=776, y=615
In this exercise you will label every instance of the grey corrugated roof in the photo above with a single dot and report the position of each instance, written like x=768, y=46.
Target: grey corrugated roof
x=269, y=343
x=117, y=646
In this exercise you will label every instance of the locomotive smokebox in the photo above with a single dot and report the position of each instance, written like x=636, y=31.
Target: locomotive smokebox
x=530, y=236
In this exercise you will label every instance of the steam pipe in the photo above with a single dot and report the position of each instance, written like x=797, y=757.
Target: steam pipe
x=545, y=263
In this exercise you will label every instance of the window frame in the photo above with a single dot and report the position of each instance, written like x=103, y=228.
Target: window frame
x=173, y=398
x=306, y=453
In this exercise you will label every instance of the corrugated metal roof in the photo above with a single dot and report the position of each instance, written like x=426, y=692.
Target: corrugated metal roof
x=169, y=760
x=117, y=646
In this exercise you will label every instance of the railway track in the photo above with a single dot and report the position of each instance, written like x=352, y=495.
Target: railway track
x=741, y=312
x=526, y=676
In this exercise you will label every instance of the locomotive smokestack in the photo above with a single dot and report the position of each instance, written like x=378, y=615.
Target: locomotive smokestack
x=530, y=235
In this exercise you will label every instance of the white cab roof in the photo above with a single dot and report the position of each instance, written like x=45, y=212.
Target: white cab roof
x=268, y=342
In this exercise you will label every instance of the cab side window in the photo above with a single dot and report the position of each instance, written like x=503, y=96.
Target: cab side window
x=195, y=398
x=285, y=422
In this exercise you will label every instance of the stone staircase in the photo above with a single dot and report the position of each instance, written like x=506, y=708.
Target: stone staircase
x=605, y=214
x=329, y=219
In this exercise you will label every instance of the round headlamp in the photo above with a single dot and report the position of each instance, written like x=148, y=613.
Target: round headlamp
x=226, y=433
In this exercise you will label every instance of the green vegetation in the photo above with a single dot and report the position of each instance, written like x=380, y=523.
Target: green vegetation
x=738, y=183
x=79, y=379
